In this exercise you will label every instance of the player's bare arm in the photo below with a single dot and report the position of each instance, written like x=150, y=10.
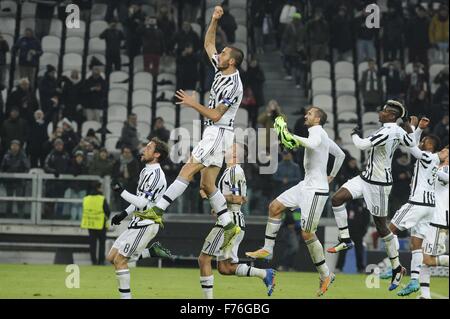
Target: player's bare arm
x=210, y=37
x=191, y=101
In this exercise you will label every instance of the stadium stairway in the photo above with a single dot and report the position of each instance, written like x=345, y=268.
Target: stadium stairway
x=284, y=92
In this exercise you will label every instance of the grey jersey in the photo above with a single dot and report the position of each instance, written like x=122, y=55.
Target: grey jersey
x=227, y=90
x=233, y=182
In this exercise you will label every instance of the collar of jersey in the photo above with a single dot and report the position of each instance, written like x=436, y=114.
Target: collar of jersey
x=314, y=127
x=390, y=124
x=155, y=165
x=237, y=72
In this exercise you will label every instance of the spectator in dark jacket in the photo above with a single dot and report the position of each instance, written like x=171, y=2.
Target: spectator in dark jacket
x=165, y=20
x=371, y=88
x=36, y=139
x=153, y=45
x=14, y=128
x=159, y=130
x=4, y=48
x=293, y=48
x=72, y=97
x=365, y=38
x=29, y=52
x=113, y=38
x=126, y=171
x=417, y=37
x=393, y=26
x=69, y=137
x=395, y=81
x=228, y=24
x=255, y=78
x=24, y=100
x=417, y=91
x=102, y=164
x=48, y=89
x=95, y=95
x=186, y=37
x=318, y=33
x=76, y=189
x=341, y=36
x=129, y=135
x=44, y=15
x=441, y=130
x=134, y=40
x=187, y=69
x=440, y=97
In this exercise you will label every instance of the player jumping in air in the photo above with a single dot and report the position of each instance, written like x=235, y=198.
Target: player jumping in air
x=233, y=185
x=310, y=195
x=207, y=156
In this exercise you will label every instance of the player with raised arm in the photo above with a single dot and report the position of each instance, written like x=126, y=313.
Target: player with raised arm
x=233, y=185
x=437, y=233
x=207, y=156
x=310, y=195
x=375, y=182
x=143, y=227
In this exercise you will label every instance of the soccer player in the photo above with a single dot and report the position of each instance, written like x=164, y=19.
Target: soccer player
x=434, y=244
x=375, y=183
x=143, y=227
x=207, y=156
x=310, y=195
x=233, y=185
x=418, y=212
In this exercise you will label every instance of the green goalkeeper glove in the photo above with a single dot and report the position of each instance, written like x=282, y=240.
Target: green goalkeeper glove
x=287, y=139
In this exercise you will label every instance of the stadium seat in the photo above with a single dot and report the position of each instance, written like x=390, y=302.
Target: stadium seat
x=325, y=102
x=98, y=56
x=320, y=69
x=110, y=144
x=118, y=79
x=143, y=81
x=242, y=4
x=241, y=34
x=347, y=117
x=8, y=8
x=77, y=32
x=48, y=58
x=143, y=129
x=56, y=28
x=370, y=118
x=26, y=23
x=343, y=69
x=344, y=134
x=96, y=28
x=197, y=28
x=187, y=115
x=361, y=68
x=9, y=39
x=28, y=10
x=7, y=25
x=97, y=45
x=167, y=113
x=74, y=45
x=125, y=61
x=330, y=119
x=345, y=87
x=346, y=103
x=239, y=14
x=138, y=63
x=242, y=46
x=98, y=11
x=166, y=81
x=165, y=96
x=321, y=86
x=117, y=112
x=142, y=97
x=241, y=119
x=330, y=132
x=409, y=68
x=117, y=96
x=167, y=64
x=115, y=127
x=51, y=44
x=143, y=112
x=89, y=124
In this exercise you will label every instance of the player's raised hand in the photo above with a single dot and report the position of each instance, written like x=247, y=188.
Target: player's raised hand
x=218, y=13
x=185, y=98
x=424, y=122
x=414, y=120
x=356, y=131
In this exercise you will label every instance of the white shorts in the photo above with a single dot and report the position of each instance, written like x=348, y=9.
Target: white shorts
x=216, y=140
x=214, y=240
x=310, y=201
x=375, y=196
x=414, y=217
x=435, y=238
x=133, y=241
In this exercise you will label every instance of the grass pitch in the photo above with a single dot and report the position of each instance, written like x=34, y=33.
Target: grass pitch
x=49, y=281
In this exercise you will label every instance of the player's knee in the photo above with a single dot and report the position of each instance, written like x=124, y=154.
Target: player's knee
x=223, y=268
x=274, y=209
x=207, y=188
x=202, y=260
x=428, y=260
x=307, y=236
x=336, y=201
x=120, y=262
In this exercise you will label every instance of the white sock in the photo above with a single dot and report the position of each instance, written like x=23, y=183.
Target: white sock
x=175, y=190
x=416, y=263
x=391, y=250
x=219, y=204
x=272, y=228
x=316, y=251
x=397, y=243
x=424, y=280
x=442, y=260
x=123, y=278
x=145, y=254
x=207, y=284
x=244, y=270
x=340, y=214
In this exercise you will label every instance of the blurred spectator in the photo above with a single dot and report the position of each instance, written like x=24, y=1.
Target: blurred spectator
x=318, y=34
x=29, y=52
x=92, y=138
x=187, y=69
x=126, y=171
x=87, y=148
x=341, y=36
x=129, y=135
x=113, y=38
x=44, y=15
x=95, y=95
x=24, y=100
x=75, y=189
x=287, y=12
x=101, y=165
x=36, y=139
x=440, y=97
x=267, y=118
x=48, y=145
x=228, y=23
x=69, y=137
x=257, y=22
x=190, y=10
x=401, y=173
x=4, y=48
x=159, y=130
x=113, y=5
x=371, y=88
x=135, y=19
x=441, y=130
x=417, y=39
x=291, y=235
x=365, y=38
x=13, y=128
x=15, y=161
x=72, y=97
x=186, y=37
x=417, y=91
x=165, y=21
x=153, y=45
x=293, y=48
x=254, y=80
x=395, y=81
x=288, y=173
x=393, y=26
x=349, y=169
x=48, y=89
x=85, y=8
x=438, y=33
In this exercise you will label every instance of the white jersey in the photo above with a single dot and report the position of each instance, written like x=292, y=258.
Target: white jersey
x=317, y=147
x=384, y=143
x=227, y=90
x=441, y=216
x=233, y=182
x=423, y=181
x=152, y=185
